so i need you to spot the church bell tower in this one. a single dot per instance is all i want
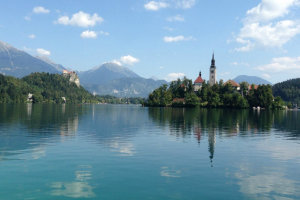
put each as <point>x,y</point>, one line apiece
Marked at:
<point>212,71</point>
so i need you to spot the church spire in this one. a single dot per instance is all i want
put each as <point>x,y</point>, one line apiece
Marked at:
<point>213,60</point>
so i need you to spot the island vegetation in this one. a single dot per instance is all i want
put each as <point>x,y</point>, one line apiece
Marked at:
<point>181,93</point>
<point>289,91</point>
<point>51,88</point>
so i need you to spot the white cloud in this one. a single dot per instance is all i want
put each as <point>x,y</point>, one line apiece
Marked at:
<point>176,18</point>
<point>88,34</point>
<point>185,4</point>
<point>31,36</point>
<point>40,9</point>
<point>168,28</point>
<point>104,33</point>
<point>27,18</point>
<point>81,19</point>
<point>239,64</point>
<point>177,38</point>
<point>281,64</point>
<point>267,76</point>
<point>174,76</point>
<point>43,52</point>
<point>270,35</point>
<point>117,62</point>
<point>260,29</point>
<point>155,5</point>
<point>270,9</point>
<point>179,4</point>
<point>129,60</point>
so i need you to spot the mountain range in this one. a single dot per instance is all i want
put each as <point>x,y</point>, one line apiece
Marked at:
<point>17,63</point>
<point>106,79</point>
<point>117,80</point>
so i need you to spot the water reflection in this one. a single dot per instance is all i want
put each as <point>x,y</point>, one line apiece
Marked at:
<point>184,122</point>
<point>79,188</point>
<point>38,124</point>
<point>268,185</point>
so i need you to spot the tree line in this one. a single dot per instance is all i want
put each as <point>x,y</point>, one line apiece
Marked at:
<point>181,93</point>
<point>289,91</point>
<point>51,88</point>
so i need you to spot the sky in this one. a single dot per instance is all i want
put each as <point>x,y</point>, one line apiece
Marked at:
<point>165,39</point>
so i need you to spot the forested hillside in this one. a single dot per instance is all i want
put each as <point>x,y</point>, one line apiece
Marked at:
<point>45,87</point>
<point>288,90</point>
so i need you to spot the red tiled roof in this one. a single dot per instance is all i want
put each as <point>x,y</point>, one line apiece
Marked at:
<point>255,87</point>
<point>178,100</point>
<point>199,80</point>
<point>233,83</point>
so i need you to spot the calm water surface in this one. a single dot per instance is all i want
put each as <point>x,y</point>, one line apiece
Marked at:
<point>131,152</point>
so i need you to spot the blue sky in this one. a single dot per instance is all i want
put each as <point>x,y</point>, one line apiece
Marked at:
<point>161,38</point>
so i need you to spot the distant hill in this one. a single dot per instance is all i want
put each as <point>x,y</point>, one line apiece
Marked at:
<point>127,87</point>
<point>251,80</point>
<point>45,87</point>
<point>17,63</point>
<point>288,90</point>
<point>116,80</point>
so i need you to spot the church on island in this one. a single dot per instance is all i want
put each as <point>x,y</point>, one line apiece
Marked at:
<point>212,78</point>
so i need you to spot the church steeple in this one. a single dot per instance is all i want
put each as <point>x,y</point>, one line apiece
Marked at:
<point>212,71</point>
<point>213,61</point>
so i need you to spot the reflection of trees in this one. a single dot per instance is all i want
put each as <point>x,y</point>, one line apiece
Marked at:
<point>39,116</point>
<point>183,122</point>
<point>288,122</point>
<point>19,122</point>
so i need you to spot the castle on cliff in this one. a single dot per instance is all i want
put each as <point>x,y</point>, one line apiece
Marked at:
<point>72,76</point>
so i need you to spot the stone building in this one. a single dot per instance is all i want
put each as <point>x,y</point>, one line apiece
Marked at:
<point>73,77</point>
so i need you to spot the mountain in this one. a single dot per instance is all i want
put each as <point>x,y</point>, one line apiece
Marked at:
<point>105,73</point>
<point>117,80</point>
<point>288,90</point>
<point>17,63</point>
<point>252,80</point>
<point>58,67</point>
<point>127,87</point>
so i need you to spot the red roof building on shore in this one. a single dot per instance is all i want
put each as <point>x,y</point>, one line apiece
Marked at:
<point>198,83</point>
<point>255,87</point>
<point>199,79</point>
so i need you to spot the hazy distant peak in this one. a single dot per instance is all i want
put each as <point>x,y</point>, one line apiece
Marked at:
<point>251,80</point>
<point>5,47</point>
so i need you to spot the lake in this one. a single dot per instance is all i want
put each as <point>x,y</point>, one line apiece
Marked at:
<point>53,151</point>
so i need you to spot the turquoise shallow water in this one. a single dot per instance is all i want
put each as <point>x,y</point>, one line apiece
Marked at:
<point>132,152</point>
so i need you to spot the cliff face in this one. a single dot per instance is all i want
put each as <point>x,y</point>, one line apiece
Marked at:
<point>72,76</point>
<point>75,79</point>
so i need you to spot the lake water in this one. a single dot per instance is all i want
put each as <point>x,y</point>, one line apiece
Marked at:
<point>132,152</point>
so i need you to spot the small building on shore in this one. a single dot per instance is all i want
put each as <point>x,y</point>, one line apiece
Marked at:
<point>233,84</point>
<point>198,83</point>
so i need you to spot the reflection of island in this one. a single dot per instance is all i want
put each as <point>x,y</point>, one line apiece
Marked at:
<point>211,144</point>
<point>213,123</point>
